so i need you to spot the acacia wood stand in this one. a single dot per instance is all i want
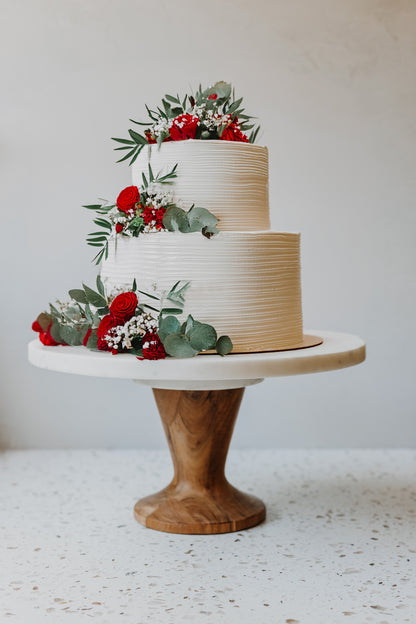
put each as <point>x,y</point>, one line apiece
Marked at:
<point>198,400</point>
<point>198,427</point>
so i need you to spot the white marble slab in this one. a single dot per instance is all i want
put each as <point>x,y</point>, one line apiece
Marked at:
<point>338,545</point>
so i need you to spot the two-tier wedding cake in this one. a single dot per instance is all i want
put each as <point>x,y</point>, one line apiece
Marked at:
<point>188,260</point>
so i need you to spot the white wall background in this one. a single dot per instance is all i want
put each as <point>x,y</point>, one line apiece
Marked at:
<point>333,83</point>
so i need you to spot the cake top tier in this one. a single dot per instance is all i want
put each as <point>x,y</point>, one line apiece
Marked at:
<point>230,179</point>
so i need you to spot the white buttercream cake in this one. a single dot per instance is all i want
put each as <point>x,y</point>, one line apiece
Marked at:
<point>245,281</point>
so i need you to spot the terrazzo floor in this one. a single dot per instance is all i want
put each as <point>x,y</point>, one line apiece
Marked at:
<point>338,544</point>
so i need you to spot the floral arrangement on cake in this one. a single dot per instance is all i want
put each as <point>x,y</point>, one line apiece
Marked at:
<point>144,209</point>
<point>210,114</point>
<point>122,322</point>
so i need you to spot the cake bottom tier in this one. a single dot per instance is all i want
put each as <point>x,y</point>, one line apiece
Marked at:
<point>245,284</point>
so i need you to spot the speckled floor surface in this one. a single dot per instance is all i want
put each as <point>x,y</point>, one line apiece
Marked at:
<point>338,545</point>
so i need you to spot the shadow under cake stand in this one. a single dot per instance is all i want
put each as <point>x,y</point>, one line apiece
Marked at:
<point>198,401</point>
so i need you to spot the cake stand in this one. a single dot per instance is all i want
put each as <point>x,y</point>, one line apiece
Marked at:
<point>198,401</point>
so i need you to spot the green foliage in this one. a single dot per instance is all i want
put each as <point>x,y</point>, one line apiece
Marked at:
<point>78,295</point>
<point>202,336</point>
<point>195,220</point>
<point>92,341</point>
<point>176,346</point>
<point>224,345</point>
<point>168,325</point>
<point>94,298</point>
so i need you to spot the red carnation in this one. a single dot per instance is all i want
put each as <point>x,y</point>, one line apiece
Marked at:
<point>183,127</point>
<point>150,213</point>
<point>233,133</point>
<point>213,96</point>
<point>128,198</point>
<point>124,306</point>
<point>154,349</point>
<point>107,324</point>
<point>119,228</point>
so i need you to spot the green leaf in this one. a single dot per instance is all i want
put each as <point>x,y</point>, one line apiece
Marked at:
<point>100,286</point>
<point>199,218</point>
<point>55,312</point>
<point>93,206</point>
<point>97,239</point>
<point>202,336</point>
<point>134,287</point>
<point>133,151</point>
<point>224,345</point>
<point>145,182</point>
<point>175,219</point>
<point>88,313</point>
<point>188,325</point>
<point>151,176</point>
<point>55,332</point>
<point>71,335</point>
<point>168,325</point>
<point>125,141</point>
<point>178,347</point>
<point>172,99</point>
<point>148,295</point>
<point>92,340</point>
<point>78,295</point>
<point>103,223</point>
<point>94,298</point>
<point>171,311</point>
<point>137,138</point>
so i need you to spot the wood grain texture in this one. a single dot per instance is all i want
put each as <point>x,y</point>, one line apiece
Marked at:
<point>198,427</point>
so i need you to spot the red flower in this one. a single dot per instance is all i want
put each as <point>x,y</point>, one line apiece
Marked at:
<point>213,96</point>
<point>233,133</point>
<point>45,336</point>
<point>128,198</point>
<point>119,228</point>
<point>154,349</point>
<point>123,306</point>
<point>107,324</point>
<point>36,327</point>
<point>150,213</point>
<point>184,127</point>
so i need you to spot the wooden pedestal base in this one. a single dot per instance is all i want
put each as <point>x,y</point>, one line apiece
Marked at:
<point>198,426</point>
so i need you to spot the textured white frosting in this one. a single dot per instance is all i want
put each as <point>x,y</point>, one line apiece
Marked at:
<point>245,284</point>
<point>228,178</point>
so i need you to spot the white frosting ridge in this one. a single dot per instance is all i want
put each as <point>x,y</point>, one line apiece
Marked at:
<point>228,178</point>
<point>245,284</point>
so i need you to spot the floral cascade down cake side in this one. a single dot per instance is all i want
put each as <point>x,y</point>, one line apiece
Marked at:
<point>188,262</point>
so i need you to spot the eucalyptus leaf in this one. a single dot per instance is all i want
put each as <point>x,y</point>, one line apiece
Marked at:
<point>171,311</point>
<point>178,347</point>
<point>55,332</point>
<point>71,335</point>
<point>189,325</point>
<point>224,345</point>
<point>202,336</point>
<point>175,219</point>
<point>92,340</point>
<point>199,218</point>
<point>168,325</point>
<point>94,298</point>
